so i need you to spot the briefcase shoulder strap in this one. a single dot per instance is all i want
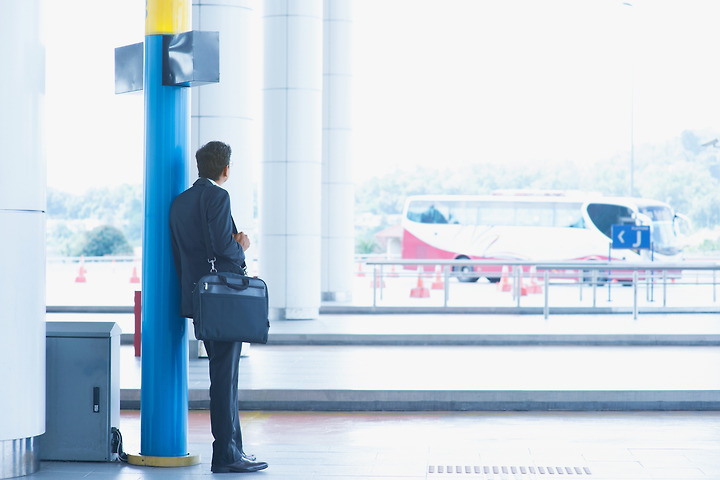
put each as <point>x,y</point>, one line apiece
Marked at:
<point>206,232</point>
<point>211,258</point>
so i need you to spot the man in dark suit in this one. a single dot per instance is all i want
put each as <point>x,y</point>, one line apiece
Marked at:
<point>191,262</point>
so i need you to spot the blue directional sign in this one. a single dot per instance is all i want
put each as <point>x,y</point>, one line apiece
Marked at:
<point>631,236</point>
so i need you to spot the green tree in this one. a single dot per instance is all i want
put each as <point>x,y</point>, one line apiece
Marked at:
<point>105,240</point>
<point>120,206</point>
<point>366,246</point>
<point>690,142</point>
<point>135,216</point>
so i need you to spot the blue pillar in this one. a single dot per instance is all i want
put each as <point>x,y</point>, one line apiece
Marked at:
<point>164,397</point>
<point>165,70</point>
<point>164,400</point>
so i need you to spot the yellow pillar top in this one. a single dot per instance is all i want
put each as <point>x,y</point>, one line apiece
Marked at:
<point>167,17</point>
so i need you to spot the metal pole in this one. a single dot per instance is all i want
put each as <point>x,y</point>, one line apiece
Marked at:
<point>609,279</point>
<point>632,107</point>
<point>546,281</point>
<point>652,286</point>
<point>635,300</point>
<point>446,277</point>
<point>594,287</point>
<point>652,272</point>
<point>581,282</point>
<point>664,288</point>
<point>381,282</point>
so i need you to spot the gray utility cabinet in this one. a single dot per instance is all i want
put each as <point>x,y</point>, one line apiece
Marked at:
<point>83,391</point>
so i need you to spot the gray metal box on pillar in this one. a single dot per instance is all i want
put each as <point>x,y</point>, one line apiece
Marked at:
<point>83,391</point>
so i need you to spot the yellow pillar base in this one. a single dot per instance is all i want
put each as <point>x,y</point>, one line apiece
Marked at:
<point>147,461</point>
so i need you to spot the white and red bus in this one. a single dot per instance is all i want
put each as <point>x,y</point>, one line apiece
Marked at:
<point>539,226</point>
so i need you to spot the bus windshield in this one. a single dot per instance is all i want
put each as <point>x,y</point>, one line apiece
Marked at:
<point>663,233</point>
<point>605,215</point>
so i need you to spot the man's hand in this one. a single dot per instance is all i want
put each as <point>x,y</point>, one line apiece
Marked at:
<point>243,240</point>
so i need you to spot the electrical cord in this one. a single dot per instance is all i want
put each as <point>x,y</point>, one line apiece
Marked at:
<point>117,445</point>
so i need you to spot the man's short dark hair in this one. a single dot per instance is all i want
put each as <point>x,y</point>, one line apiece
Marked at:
<point>212,158</point>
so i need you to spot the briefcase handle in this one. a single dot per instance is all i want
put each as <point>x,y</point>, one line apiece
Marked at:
<point>235,286</point>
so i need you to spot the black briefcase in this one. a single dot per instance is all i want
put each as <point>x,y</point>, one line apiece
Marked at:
<point>229,307</point>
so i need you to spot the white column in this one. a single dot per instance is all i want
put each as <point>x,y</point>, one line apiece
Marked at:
<point>292,160</point>
<point>226,111</point>
<point>338,198</point>
<point>22,243</point>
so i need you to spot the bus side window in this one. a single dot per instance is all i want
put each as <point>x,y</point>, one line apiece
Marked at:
<point>569,216</point>
<point>413,216</point>
<point>432,215</point>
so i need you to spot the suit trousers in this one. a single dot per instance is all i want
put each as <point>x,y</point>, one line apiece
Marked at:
<point>224,360</point>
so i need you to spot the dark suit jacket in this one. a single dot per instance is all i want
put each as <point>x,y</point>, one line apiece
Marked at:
<point>188,239</point>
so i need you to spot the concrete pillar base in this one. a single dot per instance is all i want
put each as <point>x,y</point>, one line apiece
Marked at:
<point>336,296</point>
<point>294,314</point>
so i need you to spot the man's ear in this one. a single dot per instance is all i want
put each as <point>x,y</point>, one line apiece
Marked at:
<point>226,171</point>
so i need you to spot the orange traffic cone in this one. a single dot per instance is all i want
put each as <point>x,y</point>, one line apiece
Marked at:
<point>438,284</point>
<point>81,272</point>
<point>534,286</point>
<point>134,278</point>
<point>420,291</point>
<point>360,272</point>
<point>392,273</point>
<point>504,283</point>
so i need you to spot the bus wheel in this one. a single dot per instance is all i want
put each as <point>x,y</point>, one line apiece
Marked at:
<point>493,279</point>
<point>587,278</point>
<point>465,272</point>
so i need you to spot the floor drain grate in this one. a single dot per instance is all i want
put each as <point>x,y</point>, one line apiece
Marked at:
<point>507,470</point>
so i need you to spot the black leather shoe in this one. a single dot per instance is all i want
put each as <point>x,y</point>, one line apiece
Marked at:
<point>241,466</point>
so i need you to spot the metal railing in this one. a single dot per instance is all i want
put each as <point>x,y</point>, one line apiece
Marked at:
<point>565,287</point>
<point>106,259</point>
<point>595,275</point>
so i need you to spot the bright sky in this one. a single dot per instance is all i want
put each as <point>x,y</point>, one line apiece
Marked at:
<point>434,83</point>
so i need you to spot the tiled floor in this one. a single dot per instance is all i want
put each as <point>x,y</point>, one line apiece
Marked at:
<point>433,358</point>
<point>415,446</point>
